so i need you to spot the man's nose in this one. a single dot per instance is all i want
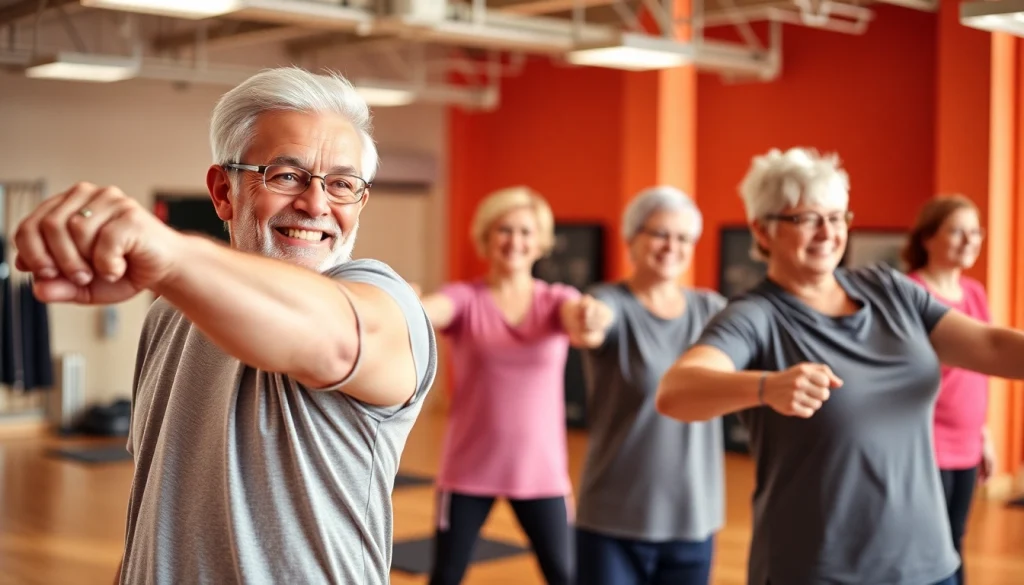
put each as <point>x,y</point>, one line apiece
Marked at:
<point>314,199</point>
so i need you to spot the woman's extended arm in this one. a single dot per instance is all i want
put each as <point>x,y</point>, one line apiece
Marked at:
<point>965,342</point>
<point>586,320</point>
<point>704,384</point>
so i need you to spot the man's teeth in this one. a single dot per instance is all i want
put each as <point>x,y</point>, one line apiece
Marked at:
<point>304,235</point>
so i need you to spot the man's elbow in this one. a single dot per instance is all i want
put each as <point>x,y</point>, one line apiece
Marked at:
<point>329,365</point>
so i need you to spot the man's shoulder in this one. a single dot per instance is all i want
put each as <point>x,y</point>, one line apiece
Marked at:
<point>369,269</point>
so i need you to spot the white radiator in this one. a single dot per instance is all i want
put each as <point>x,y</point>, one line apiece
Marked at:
<point>67,399</point>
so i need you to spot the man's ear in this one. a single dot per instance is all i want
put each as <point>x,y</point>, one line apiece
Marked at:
<point>219,185</point>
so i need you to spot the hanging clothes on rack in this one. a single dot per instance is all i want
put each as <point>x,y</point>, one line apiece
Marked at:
<point>26,361</point>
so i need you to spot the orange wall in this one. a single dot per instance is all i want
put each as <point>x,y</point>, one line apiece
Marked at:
<point>556,131</point>
<point>869,98</point>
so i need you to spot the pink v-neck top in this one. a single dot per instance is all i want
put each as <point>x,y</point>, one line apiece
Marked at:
<point>962,406</point>
<point>506,433</point>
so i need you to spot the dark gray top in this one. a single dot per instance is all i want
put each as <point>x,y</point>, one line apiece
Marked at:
<point>246,476</point>
<point>852,495</point>
<point>647,477</point>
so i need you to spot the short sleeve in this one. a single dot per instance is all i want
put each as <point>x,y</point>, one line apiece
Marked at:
<point>421,334</point>
<point>921,302</point>
<point>715,302</point>
<point>738,330</point>
<point>461,294</point>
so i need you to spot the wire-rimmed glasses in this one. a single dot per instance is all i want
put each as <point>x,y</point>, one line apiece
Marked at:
<point>292,180</point>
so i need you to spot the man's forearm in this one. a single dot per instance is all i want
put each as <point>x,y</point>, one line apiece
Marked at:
<point>269,314</point>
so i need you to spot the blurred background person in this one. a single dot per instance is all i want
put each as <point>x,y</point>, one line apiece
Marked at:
<point>944,241</point>
<point>509,336</point>
<point>652,494</point>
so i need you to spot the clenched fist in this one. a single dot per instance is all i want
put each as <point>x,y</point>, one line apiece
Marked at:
<point>94,245</point>
<point>800,390</point>
<point>590,314</point>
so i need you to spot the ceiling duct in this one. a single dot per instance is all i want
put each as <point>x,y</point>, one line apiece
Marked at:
<point>737,60</point>
<point>316,15</point>
<point>1005,16</point>
<point>187,9</point>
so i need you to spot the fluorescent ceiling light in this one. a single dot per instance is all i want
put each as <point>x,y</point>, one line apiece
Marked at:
<point>83,67</point>
<point>384,95</point>
<point>1000,16</point>
<point>193,9</point>
<point>633,52</point>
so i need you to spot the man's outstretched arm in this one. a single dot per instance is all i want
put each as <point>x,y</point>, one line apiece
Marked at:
<point>283,318</point>
<point>269,314</point>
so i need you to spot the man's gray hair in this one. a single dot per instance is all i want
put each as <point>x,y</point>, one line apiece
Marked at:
<point>655,199</point>
<point>287,89</point>
<point>778,180</point>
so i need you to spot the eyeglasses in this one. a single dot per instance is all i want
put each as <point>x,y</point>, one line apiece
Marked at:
<point>665,236</point>
<point>812,220</point>
<point>293,181</point>
<point>962,234</point>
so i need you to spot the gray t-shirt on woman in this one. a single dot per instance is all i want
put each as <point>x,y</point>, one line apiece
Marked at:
<point>246,476</point>
<point>850,496</point>
<point>647,477</point>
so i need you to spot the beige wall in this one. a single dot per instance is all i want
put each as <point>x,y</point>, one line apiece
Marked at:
<point>150,136</point>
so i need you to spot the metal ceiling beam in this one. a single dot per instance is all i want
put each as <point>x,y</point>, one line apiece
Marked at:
<point>537,7</point>
<point>230,35</point>
<point>27,8</point>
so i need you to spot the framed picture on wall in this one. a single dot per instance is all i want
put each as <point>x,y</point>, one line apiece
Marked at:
<point>737,271</point>
<point>866,247</point>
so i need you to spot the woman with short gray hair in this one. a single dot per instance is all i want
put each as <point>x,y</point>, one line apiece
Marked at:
<point>835,373</point>
<point>651,495</point>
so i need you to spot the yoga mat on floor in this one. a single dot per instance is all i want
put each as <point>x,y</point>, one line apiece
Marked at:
<point>416,556</point>
<point>96,454</point>
<point>412,480</point>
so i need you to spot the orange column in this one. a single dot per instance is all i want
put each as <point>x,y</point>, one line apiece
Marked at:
<point>659,132</point>
<point>1006,244</point>
<point>978,154</point>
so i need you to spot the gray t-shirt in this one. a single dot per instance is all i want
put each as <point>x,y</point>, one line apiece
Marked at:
<point>850,496</point>
<point>245,476</point>
<point>646,476</point>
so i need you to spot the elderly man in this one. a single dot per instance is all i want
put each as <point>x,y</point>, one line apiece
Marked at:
<point>276,380</point>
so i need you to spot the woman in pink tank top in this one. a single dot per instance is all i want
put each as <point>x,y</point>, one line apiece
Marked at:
<point>946,240</point>
<point>508,338</point>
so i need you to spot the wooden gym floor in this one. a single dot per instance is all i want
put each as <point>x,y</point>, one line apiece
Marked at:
<point>63,522</point>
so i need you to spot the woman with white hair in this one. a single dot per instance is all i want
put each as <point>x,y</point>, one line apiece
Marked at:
<point>509,337</point>
<point>651,495</point>
<point>836,372</point>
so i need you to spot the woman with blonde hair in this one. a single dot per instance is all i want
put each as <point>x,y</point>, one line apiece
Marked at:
<point>835,373</point>
<point>509,336</point>
<point>944,241</point>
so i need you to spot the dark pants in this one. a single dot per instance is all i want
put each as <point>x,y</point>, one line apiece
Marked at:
<point>606,560</point>
<point>958,484</point>
<point>951,580</point>
<point>460,517</point>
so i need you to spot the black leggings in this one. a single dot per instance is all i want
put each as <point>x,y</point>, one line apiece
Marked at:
<point>958,484</point>
<point>545,522</point>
